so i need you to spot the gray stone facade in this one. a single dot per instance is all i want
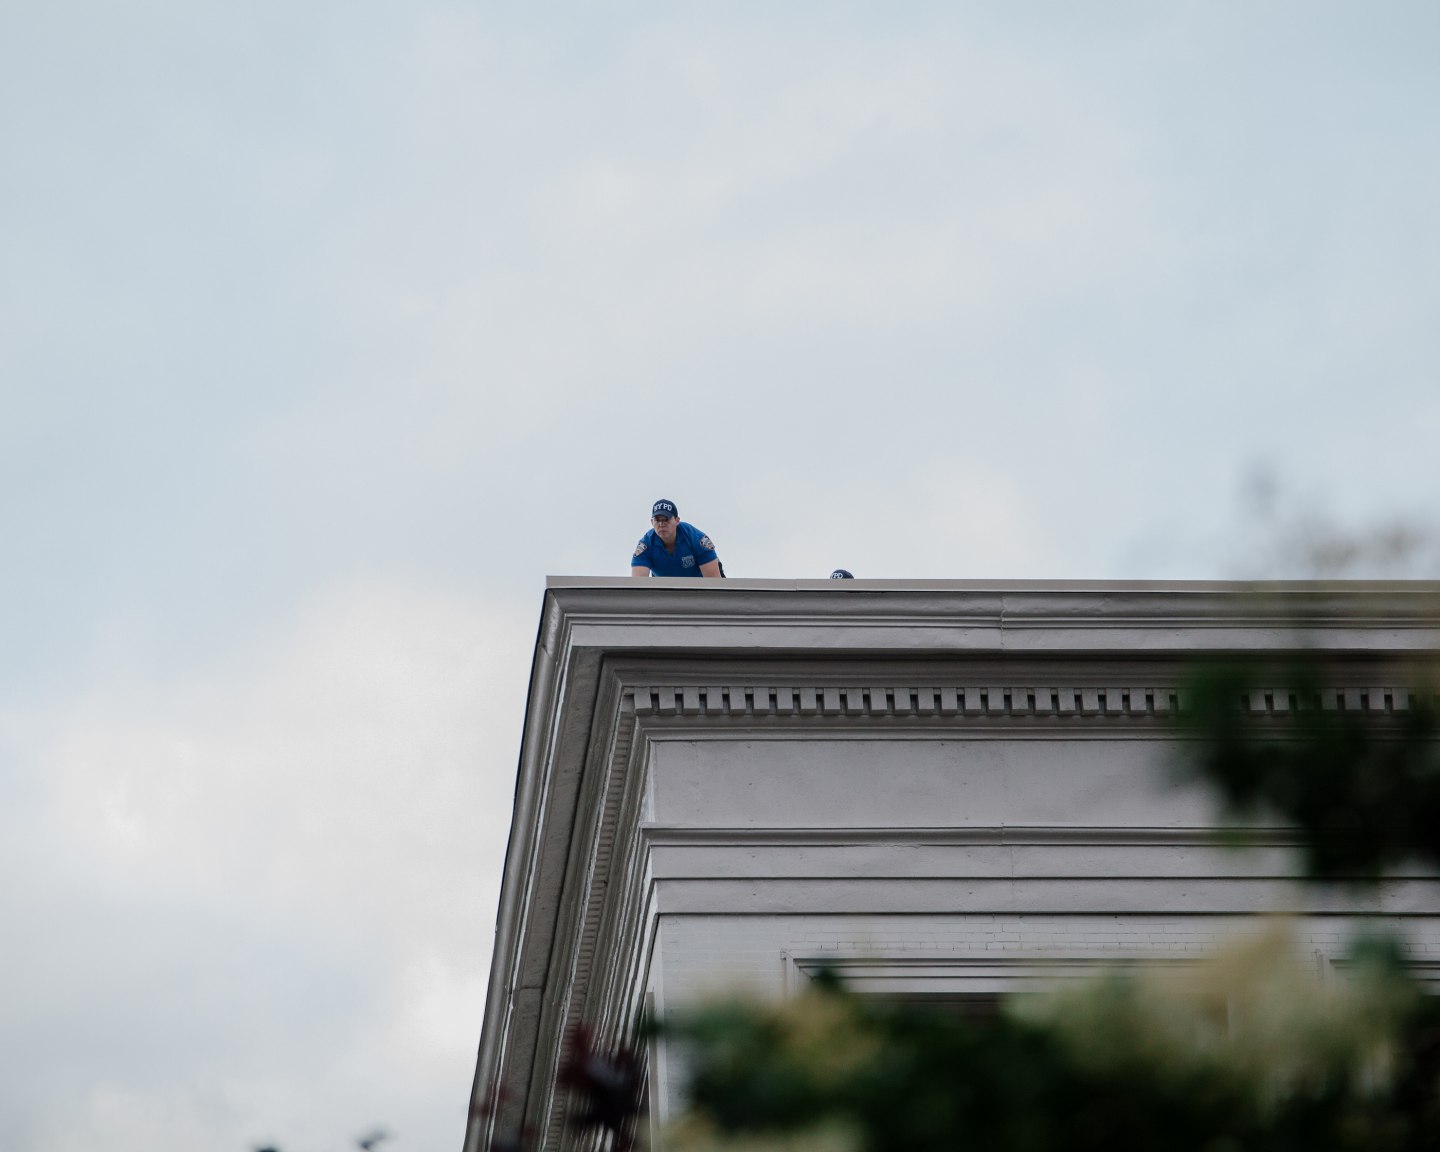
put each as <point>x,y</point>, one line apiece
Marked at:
<point>941,789</point>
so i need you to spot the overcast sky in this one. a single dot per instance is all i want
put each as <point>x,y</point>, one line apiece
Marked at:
<point>328,330</point>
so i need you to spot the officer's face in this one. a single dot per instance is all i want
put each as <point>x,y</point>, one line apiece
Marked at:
<point>664,527</point>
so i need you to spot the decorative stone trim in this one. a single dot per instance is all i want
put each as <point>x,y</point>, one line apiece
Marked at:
<point>991,975</point>
<point>951,975</point>
<point>1425,971</point>
<point>1029,836</point>
<point>991,700</point>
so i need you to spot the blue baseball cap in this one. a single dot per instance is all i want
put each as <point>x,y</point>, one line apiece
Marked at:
<point>664,508</point>
<point>842,574</point>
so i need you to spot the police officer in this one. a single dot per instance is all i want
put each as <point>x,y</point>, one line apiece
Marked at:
<point>674,548</point>
<point>842,574</point>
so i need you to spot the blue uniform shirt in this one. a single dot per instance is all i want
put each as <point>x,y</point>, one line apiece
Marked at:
<point>692,549</point>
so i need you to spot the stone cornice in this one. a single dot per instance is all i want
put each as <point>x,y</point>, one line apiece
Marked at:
<point>1053,617</point>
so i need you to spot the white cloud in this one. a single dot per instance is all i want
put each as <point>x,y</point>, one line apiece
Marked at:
<point>278,872</point>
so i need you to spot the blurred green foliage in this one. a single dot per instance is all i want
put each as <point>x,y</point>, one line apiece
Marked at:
<point>1243,1051</point>
<point>1361,787</point>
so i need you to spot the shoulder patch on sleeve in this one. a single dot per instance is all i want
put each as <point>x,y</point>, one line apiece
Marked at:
<point>640,548</point>
<point>707,543</point>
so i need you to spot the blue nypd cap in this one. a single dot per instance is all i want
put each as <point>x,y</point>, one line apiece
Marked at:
<point>842,574</point>
<point>664,508</point>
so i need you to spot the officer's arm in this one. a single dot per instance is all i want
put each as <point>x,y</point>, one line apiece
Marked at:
<point>709,568</point>
<point>641,570</point>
